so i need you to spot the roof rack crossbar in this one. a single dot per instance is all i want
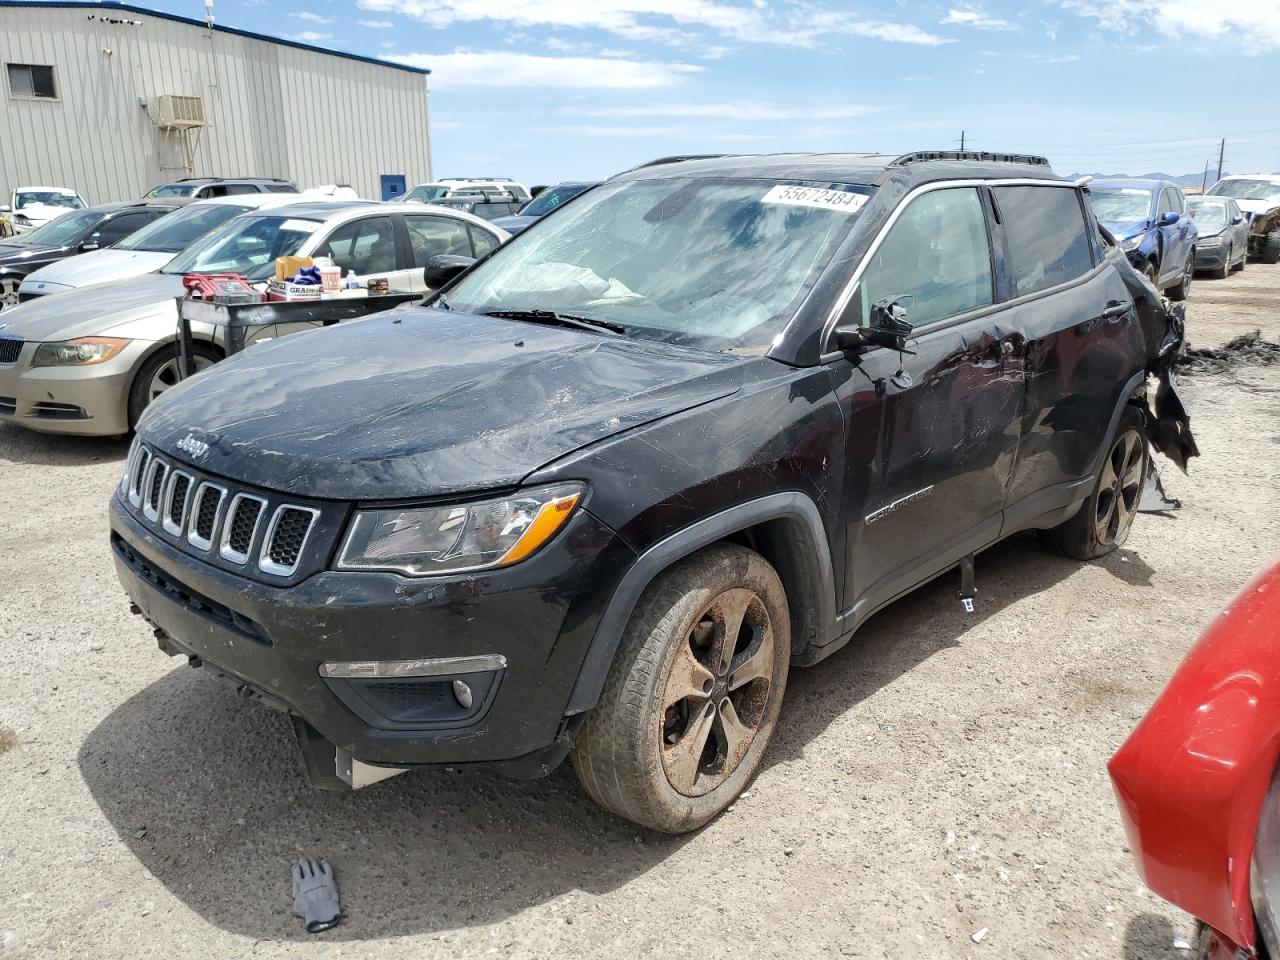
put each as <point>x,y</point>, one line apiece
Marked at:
<point>921,155</point>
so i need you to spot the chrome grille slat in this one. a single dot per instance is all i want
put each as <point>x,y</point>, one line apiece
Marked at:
<point>138,476</point>
<point>153,489</point>
<point>204,516</point>
<point>286,539</point>
<point>244,512</point>
<point>10,349</point>
<point>177,495</point>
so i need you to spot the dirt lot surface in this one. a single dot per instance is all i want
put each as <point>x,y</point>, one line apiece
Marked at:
<point>941,775</point>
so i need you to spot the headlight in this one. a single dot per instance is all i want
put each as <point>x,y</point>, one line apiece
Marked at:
<point>424,541</point>
<point>21,220</point>
<point>1209,241</point>
<point>1131,244</point>
<point>78,353</point>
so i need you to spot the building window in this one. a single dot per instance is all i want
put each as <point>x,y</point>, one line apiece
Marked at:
<point>28,81</point>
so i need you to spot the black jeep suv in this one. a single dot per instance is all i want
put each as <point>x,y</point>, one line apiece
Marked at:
<point>599,493</point>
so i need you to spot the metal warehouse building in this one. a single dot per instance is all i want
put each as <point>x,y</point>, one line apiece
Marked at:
<point>111,100</point>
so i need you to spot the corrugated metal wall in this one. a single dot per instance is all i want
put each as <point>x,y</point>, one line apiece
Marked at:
<point>271,110</point>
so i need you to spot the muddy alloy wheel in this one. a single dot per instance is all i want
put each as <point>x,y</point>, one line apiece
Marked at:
<point>716,692</point>
<point>1119,489</point>
<point>692,696</point>
<point>8,292</point>
<point>167,374</point>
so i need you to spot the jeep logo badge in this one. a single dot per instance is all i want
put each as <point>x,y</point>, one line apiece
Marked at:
<point>189,444</point>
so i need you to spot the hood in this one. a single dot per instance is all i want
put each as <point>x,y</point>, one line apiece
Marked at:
<point>514,225</point>
<point>421,403</point>
<point>39,213</point>
<point>1256,206</point>
<point>13,255</point>
<point>99,267</point>
<point>96,310</point>
<point>1125,229</point>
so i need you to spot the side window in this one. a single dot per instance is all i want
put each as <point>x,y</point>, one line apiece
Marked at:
<point>233,189</point>
<point>1045,233</point>
<point>1167,202</point>
<point>115,230</point>
<point>434,236</point>
<point>216,190</point>
<point>937,254</point>
<point>365,246</point>
<point>1095,235</point>
<point>483,241</point>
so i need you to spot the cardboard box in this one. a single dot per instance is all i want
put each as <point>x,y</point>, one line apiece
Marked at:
<point>284,290</point>
<point>286,267</point>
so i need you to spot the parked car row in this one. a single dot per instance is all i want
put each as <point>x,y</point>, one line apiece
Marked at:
<point>597,495</point>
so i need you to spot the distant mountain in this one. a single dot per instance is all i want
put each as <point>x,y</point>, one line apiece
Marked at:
<point>1187,180</point>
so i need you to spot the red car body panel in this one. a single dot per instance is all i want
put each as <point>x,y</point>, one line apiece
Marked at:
<point>1191,779</point>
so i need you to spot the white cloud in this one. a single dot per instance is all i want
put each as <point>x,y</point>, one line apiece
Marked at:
<point>1053,58</point>
<point>761,112</point>
<point>970,15</point>
<point>1253,23</point>
<point>617,131</point>
<point>311,17</point>
<point>377,24</point>
<point>501,68</point>
<point>669,21</point>
<point>309,36</point>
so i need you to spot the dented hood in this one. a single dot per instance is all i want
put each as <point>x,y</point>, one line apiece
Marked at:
<point>422,403</point>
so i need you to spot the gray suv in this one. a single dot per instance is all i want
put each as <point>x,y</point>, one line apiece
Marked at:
<point>206,188</point>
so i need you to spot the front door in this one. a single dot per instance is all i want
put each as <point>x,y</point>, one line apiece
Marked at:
<point>392,185</point>
<point>932,435</point>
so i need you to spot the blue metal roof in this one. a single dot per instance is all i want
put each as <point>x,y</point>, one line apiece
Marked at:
<point>109,5</point>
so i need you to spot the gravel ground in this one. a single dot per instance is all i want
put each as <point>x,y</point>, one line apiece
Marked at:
<point>941,775</point>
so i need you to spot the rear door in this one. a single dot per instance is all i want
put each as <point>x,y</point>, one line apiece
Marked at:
<point>931,435</point>
<point>1082,338</point>
<point>1174,246</point>
<point>368,248</point>
<point>433,235</point>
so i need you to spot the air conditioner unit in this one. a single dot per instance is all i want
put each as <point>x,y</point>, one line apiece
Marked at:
<point>179,113</point>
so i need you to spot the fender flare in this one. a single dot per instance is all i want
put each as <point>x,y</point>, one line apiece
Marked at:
<point>790,505</point>
<point>1127,396</point>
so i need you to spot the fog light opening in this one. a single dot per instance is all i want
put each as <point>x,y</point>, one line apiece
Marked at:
<point>462,693</point>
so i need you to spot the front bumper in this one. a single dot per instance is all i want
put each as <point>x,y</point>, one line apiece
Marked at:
<point>90,401</point>
<point>1211,257</point>
<point>538,616</point>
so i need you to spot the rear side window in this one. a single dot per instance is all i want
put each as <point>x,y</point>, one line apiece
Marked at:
<point>1046,239</point>
<point>936,259</point>
<point>484,243</point>
<point>234,189</point>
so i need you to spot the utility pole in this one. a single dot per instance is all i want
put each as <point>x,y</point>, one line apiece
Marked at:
<point>962,141</point>
<point>1204,181</point>
<point>1222,148</point>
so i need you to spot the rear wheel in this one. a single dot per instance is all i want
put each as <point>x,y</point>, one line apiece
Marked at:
<point>693,694</point>
<point>1102,524</point>
<point>160,372</point>
<point>1271,248</point>
<point>1183,288</point>
<point>1149,271</point>
<point>9,292</point>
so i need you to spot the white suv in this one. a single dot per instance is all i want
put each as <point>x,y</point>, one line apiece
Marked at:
<point>452,186</point>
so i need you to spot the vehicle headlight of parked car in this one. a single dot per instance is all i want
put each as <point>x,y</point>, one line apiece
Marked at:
<point>426,541</point>
<point>1210,241</point>
<point>1131,244</point>
<point>78,353</point>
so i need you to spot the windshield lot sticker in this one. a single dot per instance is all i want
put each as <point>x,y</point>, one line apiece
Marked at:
<point>815,197</point>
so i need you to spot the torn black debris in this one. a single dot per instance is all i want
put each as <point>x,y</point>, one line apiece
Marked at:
<point>1248,348</point>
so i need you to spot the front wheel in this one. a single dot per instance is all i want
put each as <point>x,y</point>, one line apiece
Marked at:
<point>1271,247</point>
<point>693,694</point>
<point>1225,270</point>
<point>160,372</point>
<point>1183,288</point>
<point>1102,524</point>
<point>9,292</point>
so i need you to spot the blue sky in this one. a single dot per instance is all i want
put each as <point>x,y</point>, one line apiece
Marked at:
<point>546,90</point>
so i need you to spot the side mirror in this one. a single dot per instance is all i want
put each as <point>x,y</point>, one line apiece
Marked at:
<point>1169,219</point>
<point>89,245</point>
<point>444,268</point>
<point>887,327</point>
<point>5,208</point>
<point>1235,220</point>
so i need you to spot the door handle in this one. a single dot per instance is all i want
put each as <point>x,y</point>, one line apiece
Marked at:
<point>1114,310</point>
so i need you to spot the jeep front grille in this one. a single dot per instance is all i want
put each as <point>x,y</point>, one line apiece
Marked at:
<point>219,522</point>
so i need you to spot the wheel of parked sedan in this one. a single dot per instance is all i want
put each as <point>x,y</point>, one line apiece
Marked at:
<point>1102,524</point>
<point>9,292</point>
<point>160,372</point>
<point>1225,270</point>
<point>1183,288</point>
<point>693,694</point>
<point>1244,257</point>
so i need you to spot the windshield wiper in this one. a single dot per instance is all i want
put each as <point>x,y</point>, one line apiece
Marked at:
<point>552,317</point>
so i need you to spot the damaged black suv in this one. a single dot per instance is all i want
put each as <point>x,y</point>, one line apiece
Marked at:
<point>597,495</point>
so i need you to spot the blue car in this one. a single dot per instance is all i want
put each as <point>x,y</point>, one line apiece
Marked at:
<point>537,208</point>
<point>1149,220</point>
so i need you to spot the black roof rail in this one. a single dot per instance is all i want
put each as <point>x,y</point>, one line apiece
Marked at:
<point>922,155</point>
<point>681,158</point>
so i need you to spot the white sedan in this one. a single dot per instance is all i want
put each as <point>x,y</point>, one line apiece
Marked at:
<point>31,207</point>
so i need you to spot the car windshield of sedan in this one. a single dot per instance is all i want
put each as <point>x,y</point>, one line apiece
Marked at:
<point>716,263</point>
<point>46,198</point>
<point>246,245</point>
<point>176,231</point>
<point>1121,206</point>
<point>1209,217</point>
<point>1247,190</point>
<point>59,231</point>
<point>549,199</point>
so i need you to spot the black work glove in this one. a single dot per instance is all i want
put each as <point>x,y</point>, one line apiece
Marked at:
<point>315,895</point>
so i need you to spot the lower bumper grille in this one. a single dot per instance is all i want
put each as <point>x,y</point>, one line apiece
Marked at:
<point>8,406</point>
<point>58,411</point>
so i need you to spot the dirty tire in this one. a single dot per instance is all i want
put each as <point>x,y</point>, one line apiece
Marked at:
<point>1103,522</point>
<point>675,684</point>
<point>1225,270</point>
<point>1271,248</point>
<point>1149,271</point>
<point>140,393</point>
<point>1244,257</point>
<point>1183,288</point>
